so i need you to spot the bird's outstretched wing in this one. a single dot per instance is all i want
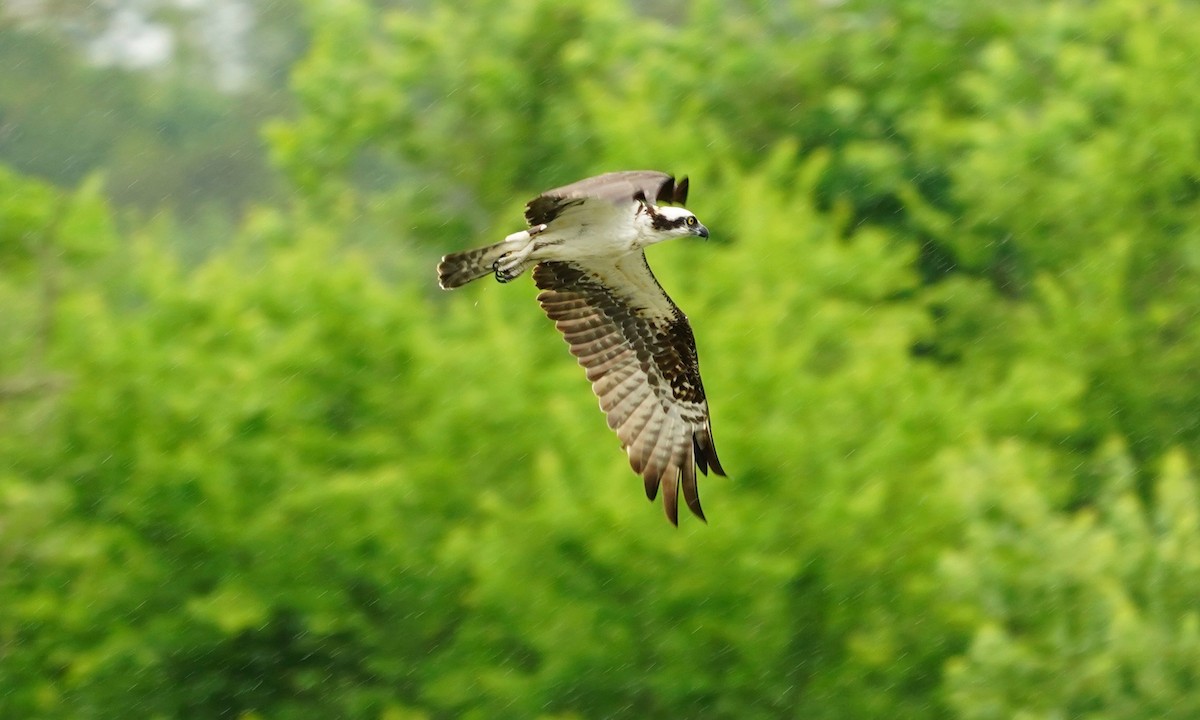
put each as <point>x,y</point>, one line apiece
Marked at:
<point>615,188</point>
<point>640,357</point>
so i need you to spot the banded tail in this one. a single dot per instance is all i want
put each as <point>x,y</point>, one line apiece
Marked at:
<point>458,269</point>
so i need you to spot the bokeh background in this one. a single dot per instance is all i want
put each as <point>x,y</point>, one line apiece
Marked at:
<point>254,464</point>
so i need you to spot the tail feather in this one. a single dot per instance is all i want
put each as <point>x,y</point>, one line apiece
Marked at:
<point>458,269</point>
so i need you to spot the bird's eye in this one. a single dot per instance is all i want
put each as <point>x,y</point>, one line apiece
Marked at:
<point>691,221</point>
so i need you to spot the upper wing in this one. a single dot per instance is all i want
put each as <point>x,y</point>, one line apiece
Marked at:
<point>640,357</point>
<point>615,188</point>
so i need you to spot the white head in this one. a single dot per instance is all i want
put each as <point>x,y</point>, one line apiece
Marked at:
<point>671,222</point>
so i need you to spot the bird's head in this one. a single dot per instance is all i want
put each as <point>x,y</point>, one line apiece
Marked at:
<point>672,222</point>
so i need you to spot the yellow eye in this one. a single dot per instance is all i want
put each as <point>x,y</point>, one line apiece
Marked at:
<point>691,221</point>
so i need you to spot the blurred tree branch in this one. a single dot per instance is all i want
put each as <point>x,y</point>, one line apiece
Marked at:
<point>21,386</point>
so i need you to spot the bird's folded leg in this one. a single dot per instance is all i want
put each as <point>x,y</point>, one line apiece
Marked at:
<point>526,235</point>
<point>511,264</point>
<point>507,270</point>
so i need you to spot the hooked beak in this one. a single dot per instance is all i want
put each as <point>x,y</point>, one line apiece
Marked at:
<point>701,231</point>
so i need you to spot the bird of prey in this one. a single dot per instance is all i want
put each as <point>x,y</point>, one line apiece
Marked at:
<point>584,242</point>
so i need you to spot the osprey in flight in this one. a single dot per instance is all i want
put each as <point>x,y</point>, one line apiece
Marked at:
<point>585,244</point>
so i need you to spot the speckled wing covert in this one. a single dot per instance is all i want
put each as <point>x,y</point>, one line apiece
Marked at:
<point>615,187</point>
<point>640,357</point>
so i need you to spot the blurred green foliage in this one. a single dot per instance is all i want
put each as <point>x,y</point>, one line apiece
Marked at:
<point>948,323</point>
<point>165,142</point>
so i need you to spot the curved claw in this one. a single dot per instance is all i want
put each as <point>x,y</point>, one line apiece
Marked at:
<point>502,276</point>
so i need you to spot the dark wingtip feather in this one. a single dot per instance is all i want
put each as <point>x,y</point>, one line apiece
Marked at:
<point>673,192</point>
<point>706,452</point>
<point>700,455</point>
<point>671,495</point>
<point>691,493</point>
<point>715,464</point>
<point>651,487</point>
<point>666,191</point>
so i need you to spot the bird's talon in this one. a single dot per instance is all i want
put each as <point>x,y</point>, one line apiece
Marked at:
<point>506,274</point>
<point>503,269</point>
